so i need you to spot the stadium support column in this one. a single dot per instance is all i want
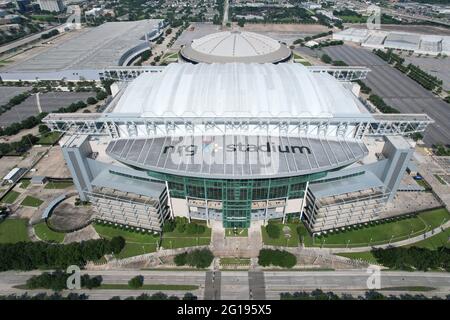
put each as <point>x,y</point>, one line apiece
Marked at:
<point>398,152</point>
<point>304,200</point>
<point>170,201</point>
<point>75,151</point>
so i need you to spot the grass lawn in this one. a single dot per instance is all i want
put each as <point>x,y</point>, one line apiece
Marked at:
<point>239,232</point>
<point>383,232</point>
<point>24,183</point>
<point>366,256</point>
<point>45,234</point>
<point>175,239</point>
<point>11,197</point>
<point>441,181</point>
<point>235,261</point>
<point>58,184</point>
<point>282,240</point>
<point>432,243</point>
<point>30,201</point>
<point>13,230</point>
<point>181,287</point>
<point>49,137</point>
<point>136,249</point>
<point>136,243</point>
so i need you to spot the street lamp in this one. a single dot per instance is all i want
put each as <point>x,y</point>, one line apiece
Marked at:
<point>348,241</point>
<point>391,239</point>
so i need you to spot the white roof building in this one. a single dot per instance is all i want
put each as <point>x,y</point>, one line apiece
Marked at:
<point>237,89</point>
<point>235,46</point>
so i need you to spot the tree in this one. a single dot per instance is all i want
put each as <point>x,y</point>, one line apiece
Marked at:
<point>117,244</point>
<point>43,128</point>
<point>180,259</point>
<point>326,58</point>
<point>136,282</point>
<point>279,258</point>
<point>273,230</point>
<point>91,100</point>
<point>101,95</point>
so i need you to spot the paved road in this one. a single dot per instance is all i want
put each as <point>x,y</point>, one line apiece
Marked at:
<point>236,285</point>
<point>399,90</point>
<point>212,285</point>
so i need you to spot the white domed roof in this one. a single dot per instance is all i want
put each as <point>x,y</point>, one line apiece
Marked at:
<point>235,46</point>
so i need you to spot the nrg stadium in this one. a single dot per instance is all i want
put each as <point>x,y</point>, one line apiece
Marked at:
<point>237,141</point>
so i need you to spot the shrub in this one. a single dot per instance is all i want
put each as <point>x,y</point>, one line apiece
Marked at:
<point>181,227</point>
<point>169,226</point>
<point>136,282</point>
<point>90,283</point>
<point>191,228</point>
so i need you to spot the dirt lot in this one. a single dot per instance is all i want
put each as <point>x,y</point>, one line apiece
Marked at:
<point>52,165</point>
<point>290,27</point>
<point>67,216</point>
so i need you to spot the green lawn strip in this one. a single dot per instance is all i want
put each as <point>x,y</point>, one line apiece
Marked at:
<point>412,288</point>
<point>235,261</point>
<point>441,181</point>
<point>181,287</point>
<point>292,241</point>
<point>129,236</point>
<point>182,242</point>
<point>136,243</point>
<point>30,201</point>
<point>383,232</point>
<point>45,234</point>
<point>24,183</point>
<point>49,137</point>
<point>366,256</point>
<point>13,230</point>
<point>136,249</point>
<point>239,232</point>
<point>10,197</point>
<point>434,242</point>
<point>58,184</point>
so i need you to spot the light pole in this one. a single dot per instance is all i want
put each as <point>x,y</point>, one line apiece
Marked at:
<point>348,242</point>
<point>391,239</point>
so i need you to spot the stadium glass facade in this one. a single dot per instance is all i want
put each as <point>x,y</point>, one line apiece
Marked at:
<point>235,195</point>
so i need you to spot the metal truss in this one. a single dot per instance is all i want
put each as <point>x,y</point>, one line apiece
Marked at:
<point>119,125</point>
<point>130,73</point>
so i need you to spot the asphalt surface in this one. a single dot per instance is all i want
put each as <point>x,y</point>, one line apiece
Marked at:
<point>236,285</point>
<point>398,90</point>
<point>212,285</point>
<point>49,102</point>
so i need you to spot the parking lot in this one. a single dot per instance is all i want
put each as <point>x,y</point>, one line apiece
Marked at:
<point>48,102</point>
<point>398,90</point>
<point>438,67</point>
<point>6,93</point>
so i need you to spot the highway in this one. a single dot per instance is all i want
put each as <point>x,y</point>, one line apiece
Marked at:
<point>244,285</point>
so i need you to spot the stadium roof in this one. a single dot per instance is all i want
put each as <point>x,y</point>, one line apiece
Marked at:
<point>235,46</point>
<point>237,90</point>
<point>237,156</point>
